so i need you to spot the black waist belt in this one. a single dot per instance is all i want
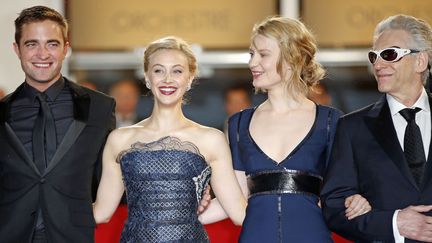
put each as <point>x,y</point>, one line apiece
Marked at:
<point>277,182</point>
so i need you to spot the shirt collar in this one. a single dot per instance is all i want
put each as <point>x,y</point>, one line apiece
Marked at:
<point>52,92</point>
<point>395,106</point>
<point>55,89</point>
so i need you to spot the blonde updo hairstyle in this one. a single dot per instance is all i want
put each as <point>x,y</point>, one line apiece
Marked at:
<point>171,43</point>
<point>297,49</point>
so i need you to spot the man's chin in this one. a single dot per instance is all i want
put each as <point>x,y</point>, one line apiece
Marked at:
<point>39,81</point>
<point>44,79</point>
<point>382,86</point>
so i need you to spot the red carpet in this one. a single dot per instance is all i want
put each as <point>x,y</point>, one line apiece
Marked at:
<point>111,231</point>
<point>221,232</point>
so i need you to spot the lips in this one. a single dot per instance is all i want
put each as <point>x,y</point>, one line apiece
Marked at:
<point>256,74</point>
<point>167,90</point>
<point>383,75</point>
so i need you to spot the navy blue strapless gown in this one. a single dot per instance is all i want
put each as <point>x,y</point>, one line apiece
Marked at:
<point>284,217</point>
<point>164,182</point>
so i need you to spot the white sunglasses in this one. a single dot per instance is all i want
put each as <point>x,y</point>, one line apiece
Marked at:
<point>389,54</point>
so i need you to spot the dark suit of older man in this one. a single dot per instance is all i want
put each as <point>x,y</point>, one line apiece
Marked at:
<point>373,152</point>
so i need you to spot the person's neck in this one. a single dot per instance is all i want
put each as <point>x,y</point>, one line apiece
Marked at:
<point>282,101</point>
<point>410,98</point>
<point>42,86</point>
<point>166,119</point>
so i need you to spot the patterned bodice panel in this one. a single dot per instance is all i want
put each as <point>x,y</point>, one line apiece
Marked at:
<point>164,182</point>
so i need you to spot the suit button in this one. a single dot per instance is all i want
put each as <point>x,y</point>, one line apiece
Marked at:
<point>42,181</point>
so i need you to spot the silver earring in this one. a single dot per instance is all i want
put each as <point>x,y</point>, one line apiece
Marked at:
<point>147,84</point>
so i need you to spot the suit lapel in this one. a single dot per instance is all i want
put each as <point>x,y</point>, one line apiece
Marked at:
<point>81,102</point>
<point>71,135</point>
<point>19,148</point>
<point>381,125</point>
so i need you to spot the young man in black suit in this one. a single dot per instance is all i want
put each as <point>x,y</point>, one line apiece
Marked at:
<point>52,133</point>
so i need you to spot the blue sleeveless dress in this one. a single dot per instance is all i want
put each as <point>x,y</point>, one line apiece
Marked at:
<point>288,216</point>
<point>164,182</point>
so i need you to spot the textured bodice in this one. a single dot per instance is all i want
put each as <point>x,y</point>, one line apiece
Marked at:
<point>164,182</point>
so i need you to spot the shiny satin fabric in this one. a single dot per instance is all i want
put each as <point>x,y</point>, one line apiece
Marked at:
<point>279,182</point>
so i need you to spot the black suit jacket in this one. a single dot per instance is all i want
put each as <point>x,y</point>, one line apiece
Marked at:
<point>63,190</point>
<point>368,159</point>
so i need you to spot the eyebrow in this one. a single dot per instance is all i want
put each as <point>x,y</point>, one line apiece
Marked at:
<point>254,47</point>
<point>176,65</point>
<point>389,47</point>
<point>259,50</point>
<point>30,41</point>
<point>36,41</point>
<point>54,40</point>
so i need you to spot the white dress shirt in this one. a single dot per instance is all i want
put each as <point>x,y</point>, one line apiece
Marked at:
<point>423,120</point>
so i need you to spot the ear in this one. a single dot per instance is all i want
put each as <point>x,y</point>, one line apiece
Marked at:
<point>66,48</point>
<point>145,77</point>
<point>147,83</point>
<point>422,62</point>
<point>16,49</point>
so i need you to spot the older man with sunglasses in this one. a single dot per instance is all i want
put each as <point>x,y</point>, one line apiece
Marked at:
<point>383,150</point>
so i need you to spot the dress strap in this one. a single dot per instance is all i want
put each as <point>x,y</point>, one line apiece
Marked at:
<point>281,182</point>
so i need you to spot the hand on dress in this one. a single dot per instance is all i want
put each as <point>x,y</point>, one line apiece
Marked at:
<point>205,201</point>
<point>412,224</point>
<point>356,205</point>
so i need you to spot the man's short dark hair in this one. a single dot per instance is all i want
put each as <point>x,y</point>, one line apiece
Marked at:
<point>39,14</point>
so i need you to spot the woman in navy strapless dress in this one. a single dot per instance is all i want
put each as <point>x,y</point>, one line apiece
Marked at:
<point>280,148</point>
<point>165,161</point>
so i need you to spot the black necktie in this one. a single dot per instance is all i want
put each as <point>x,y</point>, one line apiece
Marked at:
<point>44,135</point>
<point>413,145</point>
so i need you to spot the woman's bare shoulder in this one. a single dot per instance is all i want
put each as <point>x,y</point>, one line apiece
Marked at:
<point>209,140</point>
<point>122,138</point>
<point>209,133</point>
